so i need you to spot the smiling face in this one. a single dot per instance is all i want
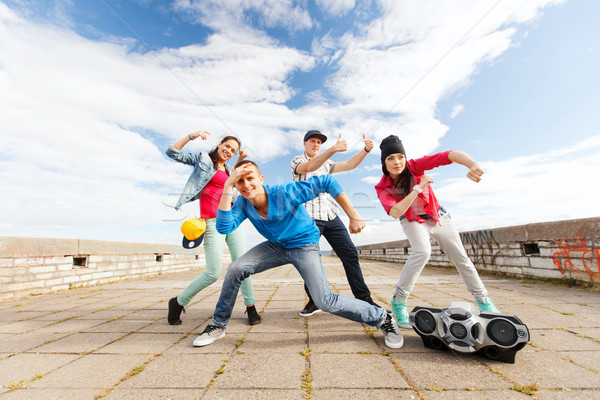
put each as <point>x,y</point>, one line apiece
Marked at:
<point>395,164</point>
<point>312,146</point>
<point>250,183</point>
<point>227,149</point>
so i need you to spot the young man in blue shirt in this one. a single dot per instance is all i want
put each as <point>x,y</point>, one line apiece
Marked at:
<point>276,211</point>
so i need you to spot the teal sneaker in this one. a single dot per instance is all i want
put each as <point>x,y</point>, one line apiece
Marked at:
<point>400,313</point>
<point>488,306</point>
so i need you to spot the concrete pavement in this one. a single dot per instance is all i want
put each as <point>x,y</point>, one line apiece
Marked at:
<point>113,342</point>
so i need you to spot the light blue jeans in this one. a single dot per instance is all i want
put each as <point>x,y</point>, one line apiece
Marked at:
<point>214,242</point>
<point>307,262</point>
<point>447,236</point>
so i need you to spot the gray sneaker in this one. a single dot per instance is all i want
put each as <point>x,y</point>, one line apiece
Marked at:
<point>391,332</point>
<point>210,334</point>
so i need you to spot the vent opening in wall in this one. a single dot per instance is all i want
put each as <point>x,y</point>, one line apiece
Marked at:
<point>159,257</point>
<point>80,261</point>
<point>197,257</point>
<point>406,250</point>
<point>531,249</point>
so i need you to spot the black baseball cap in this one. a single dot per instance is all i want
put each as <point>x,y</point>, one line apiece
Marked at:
<point>315,133</point>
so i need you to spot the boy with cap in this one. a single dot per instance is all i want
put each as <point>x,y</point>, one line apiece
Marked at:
<point>325,211</point>
<point>277,213</point>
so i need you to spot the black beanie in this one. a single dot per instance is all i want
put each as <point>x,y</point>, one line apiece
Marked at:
<point>391,145</point>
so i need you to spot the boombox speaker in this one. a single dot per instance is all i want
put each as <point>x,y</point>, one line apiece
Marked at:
<point>497,336</point>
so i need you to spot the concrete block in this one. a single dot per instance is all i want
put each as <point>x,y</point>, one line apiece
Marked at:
<point>6,262</point>
<point>512,261</point>
<point>71,279</point>
<point>541,263</point>
<point>65,267</point>
<point>23,286</point>
<point>100,275</point>
<point>28,261</point>
<point>53,282</point>
<point>542,273</point>
<point>42,269</point>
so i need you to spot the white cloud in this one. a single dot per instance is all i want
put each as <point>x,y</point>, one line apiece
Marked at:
<point>457,109</point>
<point>335,7</point>
<point>232,16</point>
<point>371,180</point>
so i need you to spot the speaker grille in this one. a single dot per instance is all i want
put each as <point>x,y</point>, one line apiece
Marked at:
<point>502,332</point>
<point>425,322</point>
<point>458,330</point>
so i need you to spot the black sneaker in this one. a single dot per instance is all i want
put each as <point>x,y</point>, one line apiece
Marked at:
<point>391,332</point>
<point>369,300</point>
<point>175,310</point>
<point>309,309</point>
<point>253,317</point>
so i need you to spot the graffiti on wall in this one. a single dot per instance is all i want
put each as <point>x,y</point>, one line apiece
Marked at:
<point>478,241</point>
<point>576,256</point>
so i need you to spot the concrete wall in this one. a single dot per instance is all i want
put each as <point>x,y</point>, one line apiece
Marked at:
<point>561,249</point>
<point>34,266</point>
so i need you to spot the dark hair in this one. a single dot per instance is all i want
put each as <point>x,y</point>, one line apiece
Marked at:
<point>402,182</point>
<point>244,162</point>
<point>213,153</point>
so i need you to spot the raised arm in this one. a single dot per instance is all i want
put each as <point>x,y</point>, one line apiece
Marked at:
<point>186,139</point>
<point>460,157</point>
<point>356,159</point>
<point>314,163</point>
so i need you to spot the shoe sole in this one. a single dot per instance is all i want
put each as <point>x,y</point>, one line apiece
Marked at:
<point>206,342</point>
<point>252,323</point>
<point>403,326</point>
<point>308,314</point>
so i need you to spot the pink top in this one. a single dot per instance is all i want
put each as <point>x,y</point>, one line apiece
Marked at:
<point>426,202</point>
<point>210,196</point>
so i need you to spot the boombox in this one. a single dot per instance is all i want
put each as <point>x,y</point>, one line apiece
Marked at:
<point>497,336</point>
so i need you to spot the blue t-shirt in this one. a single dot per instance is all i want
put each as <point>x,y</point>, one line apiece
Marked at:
<point>287,222</point>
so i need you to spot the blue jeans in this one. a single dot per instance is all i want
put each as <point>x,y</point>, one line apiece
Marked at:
<point>307,262</point>
<point>337,236</point>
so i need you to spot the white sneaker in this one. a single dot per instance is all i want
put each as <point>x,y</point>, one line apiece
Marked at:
<point>210,334</point>
<point>391,332</point>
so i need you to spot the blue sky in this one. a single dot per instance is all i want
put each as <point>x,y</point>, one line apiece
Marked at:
<point>92,93</point>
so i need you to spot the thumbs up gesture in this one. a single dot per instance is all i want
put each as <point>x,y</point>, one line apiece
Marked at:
<point>368,144</point>
<point>340,145</point>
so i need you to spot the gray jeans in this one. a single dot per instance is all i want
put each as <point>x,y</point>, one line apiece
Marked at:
<point>446,235</point>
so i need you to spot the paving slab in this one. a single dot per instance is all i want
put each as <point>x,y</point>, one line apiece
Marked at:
<point>112,341</point>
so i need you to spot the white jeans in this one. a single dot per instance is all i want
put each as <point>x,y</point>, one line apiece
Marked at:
<point>446,235</point>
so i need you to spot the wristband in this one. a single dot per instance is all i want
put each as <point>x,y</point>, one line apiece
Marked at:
<point>365,149</point>
<point>191,136</point>
<point>417,189</point>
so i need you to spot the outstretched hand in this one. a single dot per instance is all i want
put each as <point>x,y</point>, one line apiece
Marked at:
<point>368,144</point>
<point>475,173</point>
<point>200,134</point>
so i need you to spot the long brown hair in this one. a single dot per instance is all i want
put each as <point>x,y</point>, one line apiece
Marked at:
<point>402,183</point>
<point>213,153</point>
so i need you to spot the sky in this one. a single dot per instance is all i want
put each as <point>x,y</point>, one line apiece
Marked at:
<point>93,92</point>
